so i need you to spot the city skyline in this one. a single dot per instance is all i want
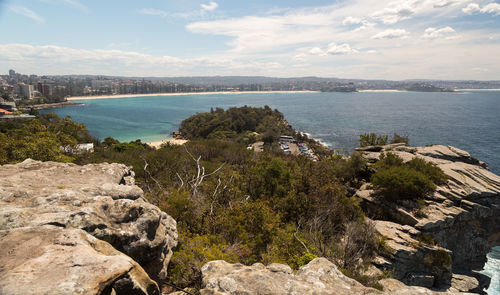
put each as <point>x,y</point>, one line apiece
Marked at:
<point>364,39</point>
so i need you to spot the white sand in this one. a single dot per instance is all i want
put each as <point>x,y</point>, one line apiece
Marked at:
<point>157,144</point>
<point>381,90</point>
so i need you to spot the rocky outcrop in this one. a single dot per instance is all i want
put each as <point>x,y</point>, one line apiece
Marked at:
<point>460,218</point>
<point>52,260</point>
<point>98,199</point>
<point>318,277</point>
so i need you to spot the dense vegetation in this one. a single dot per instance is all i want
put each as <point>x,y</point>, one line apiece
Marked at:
<point>234,204</point>
<point>245,125</point>
<point>243,121</point>
<point>373,139</point>
<point>40,139</point>
<point>395,180</point>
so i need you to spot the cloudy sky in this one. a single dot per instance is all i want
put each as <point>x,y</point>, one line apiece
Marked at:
<point>373,39</point>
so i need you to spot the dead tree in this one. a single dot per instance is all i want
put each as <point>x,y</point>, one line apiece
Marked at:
<point>200,175</point>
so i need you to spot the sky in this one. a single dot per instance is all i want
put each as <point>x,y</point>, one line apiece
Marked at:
<point>359,39</point>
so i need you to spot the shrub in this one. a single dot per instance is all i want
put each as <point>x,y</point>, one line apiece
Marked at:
<point>387,160</point>
<point>396,180</point>
<point>401,182</point>
<point>192,253</point>
<point>430,170</point>
<point>396,138</point>
<point>369,139</point>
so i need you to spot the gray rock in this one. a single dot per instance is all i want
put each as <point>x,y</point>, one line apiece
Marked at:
<point>463,215</point>
<point>52,260</point>
<point>99,199</point>
<point>320,276</point>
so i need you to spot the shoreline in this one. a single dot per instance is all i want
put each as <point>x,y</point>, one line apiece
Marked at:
<point>49,105</point>
<point>183,93</point>
<point>381,90</point>
<point>158,143</point>
<point>239,92</point>
<point>477,89</point>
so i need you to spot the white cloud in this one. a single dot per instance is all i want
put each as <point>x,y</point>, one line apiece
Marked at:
<point>63,60</point>
<point>27,13</point>
<point>395,12</point>
<point>392,34</point>
<point>333,49</point>
<point>194,14</point>
<point>471,8</point>
<point>342,49</point>
<point>493,8</point>
<point>210,6</point>
<point>443,3</point>
<point>442,33</point>
<point>317,51</point>
<point>351,21</point>
<point>300,57</point>
<point>365,25</point>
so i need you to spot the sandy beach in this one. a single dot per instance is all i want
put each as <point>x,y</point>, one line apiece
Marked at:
<point>157,144</point>
<point>182,93</point>
<point>381,90</point>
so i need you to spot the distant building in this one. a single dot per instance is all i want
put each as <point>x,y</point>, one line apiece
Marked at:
<point>12,73</point>
<point>27,91</point>
<point>101,83</point>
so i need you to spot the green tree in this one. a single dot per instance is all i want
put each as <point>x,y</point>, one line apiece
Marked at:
<point>372,139</point>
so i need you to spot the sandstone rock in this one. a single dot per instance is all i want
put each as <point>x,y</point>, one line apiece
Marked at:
<point>462,215</point>
<point>100,199</point>
<point>320,276</point>
<point>53,260</point>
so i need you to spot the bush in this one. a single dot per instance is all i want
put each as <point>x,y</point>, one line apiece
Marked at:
<point>370,139</point>
<point>399,139</point>
<point>192,253</point>
<point>414,179</point>
<point>401,183</point>
<point>387,160</point>
<point>428,169</point>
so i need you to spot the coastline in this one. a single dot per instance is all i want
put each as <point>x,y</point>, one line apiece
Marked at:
<point>381,90</point>
<point>157,144</point>
<point>477,89</point>
<point>49,105</point>
<point>183,93</point>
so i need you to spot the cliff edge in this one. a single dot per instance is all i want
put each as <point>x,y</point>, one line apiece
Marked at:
<point>440,241</point>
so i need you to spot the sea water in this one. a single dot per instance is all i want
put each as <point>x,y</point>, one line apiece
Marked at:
<point>492,269</point>
<point>467,120</point>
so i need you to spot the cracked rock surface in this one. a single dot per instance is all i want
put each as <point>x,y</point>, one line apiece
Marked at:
<point>97,199</point>
<point>318,277</point>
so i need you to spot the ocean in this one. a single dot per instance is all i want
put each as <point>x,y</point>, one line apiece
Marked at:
<point>468,120</point>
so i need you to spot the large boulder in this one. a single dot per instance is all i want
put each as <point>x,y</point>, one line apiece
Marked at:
<point>318,277</point>
<point>100,199</point>
<point>52,260</point>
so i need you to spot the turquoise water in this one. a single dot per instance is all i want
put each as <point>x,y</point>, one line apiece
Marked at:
<point>469,120</point>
